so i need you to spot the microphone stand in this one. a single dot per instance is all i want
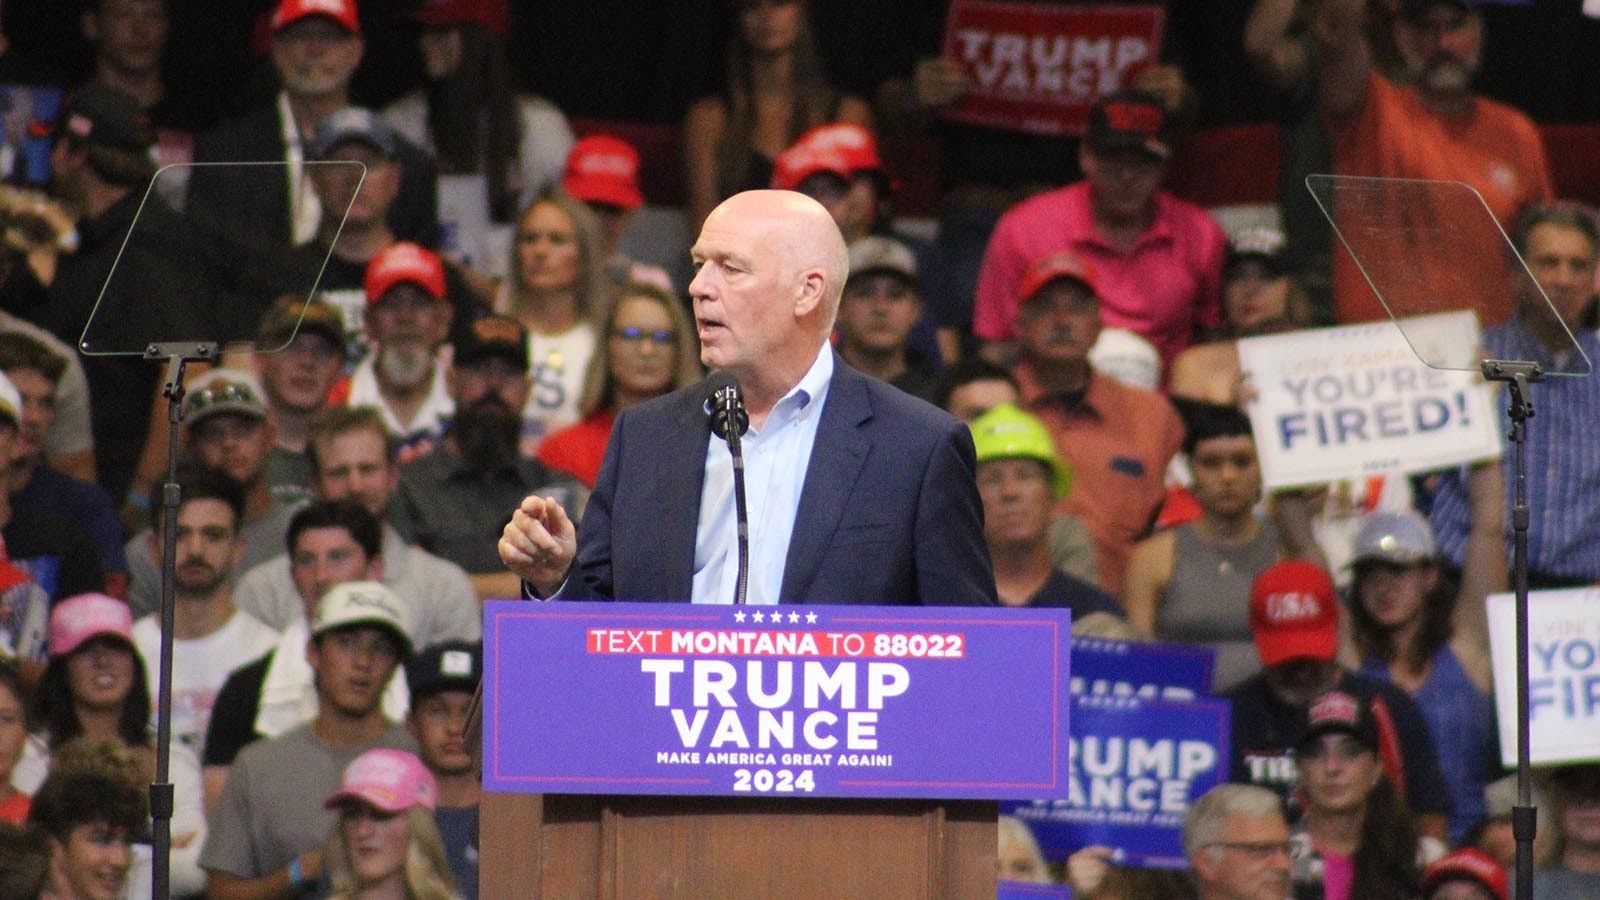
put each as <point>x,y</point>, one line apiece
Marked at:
<point>729,421</point>
<point>742,514</point>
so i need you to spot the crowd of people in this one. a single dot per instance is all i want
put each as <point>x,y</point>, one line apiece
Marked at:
<point>483,314</point>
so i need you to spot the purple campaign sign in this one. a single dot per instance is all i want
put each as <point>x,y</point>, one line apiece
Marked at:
<point>1104,668</point>
<point>1136,768</point>
<point>1019,890</point>
<point>830,701</point>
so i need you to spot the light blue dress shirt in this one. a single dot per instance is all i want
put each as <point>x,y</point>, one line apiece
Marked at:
<point>775,461</point>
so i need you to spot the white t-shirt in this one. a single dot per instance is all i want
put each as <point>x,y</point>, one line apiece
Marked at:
<point>556,366</point>
<point>200,666</point>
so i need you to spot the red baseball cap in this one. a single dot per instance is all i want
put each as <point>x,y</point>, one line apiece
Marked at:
<point>404,262</point>
<point>1294,613</point>
<point>1061,264</point>
<point>492,14</point>
<point>843,148</point>
<point>1470,864</point>
<point>603,169</point>
<point>292,11</point>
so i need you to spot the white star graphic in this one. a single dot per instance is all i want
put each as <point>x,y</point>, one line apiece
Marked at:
<point>759,617</point>
<point>794,618</point>
<point>811,618</point>
<point>739,616</point>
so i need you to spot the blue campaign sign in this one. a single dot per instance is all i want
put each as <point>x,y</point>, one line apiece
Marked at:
<point>1021,890</point>
<point>1103,668</point>
<point>827,701</point>
<point>1136,767</point>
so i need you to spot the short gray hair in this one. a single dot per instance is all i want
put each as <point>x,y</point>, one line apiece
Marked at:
<point>1208,817</point>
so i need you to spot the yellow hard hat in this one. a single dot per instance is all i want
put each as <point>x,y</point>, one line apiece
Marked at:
<point>1006,432</point>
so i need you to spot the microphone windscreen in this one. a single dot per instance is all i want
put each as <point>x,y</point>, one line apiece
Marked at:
<point>718,381</point>
<point>726,405</point>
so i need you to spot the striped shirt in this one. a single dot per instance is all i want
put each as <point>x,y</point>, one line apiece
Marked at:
<point>1563,465</point>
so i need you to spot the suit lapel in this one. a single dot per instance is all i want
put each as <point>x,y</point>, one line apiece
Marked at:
<point>682,450</point>
<point>836,460</point>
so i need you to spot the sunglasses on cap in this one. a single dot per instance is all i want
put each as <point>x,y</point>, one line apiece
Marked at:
<point>223,392</point>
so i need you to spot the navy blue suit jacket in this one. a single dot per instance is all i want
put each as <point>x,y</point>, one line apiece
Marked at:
<point>250,204</point>
<point>889,512</point>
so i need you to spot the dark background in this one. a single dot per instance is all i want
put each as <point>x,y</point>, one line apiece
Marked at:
<point>644,61</point>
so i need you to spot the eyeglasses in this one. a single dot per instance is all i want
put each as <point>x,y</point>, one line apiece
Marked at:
<point>1257,850</point>
<point>662,337</point>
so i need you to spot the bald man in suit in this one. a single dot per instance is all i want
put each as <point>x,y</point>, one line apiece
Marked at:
<point>858,492</point>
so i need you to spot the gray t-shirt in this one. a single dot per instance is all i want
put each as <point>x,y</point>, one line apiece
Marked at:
<point>444,606</point>
<point>271,810</point>
<point>263,539</point>
<point>1559,883</point>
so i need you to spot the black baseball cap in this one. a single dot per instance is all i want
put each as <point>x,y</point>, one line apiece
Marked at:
<point>1136,120</point>
<point>106,117</point>
<point>451,666</point>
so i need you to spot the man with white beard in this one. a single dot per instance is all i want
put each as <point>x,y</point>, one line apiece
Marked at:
<point>407,318</point>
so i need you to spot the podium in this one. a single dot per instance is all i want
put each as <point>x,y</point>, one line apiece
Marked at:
<point>545,847</point>
<point>867,745</point>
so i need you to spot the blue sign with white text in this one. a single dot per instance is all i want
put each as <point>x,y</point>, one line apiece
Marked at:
<point>1136,767</point>
<point>827,701</point>
<point>1176,672</point>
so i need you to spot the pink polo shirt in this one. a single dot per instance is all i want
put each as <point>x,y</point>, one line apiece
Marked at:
<point>1168,287</point>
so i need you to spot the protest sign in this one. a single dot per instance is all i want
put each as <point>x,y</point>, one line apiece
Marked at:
<point>1039,68</point>
<point>28,114</point>
<point>1137,766</point>
<point>1563,674</point>
<point>828,701</point>
<point>1354,401</point>
<point>1148,671</point>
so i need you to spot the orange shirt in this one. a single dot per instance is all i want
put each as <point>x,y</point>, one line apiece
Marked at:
<point>1494,149</point>
<point>1118,440</point>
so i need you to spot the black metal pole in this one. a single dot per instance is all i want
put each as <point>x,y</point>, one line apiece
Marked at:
<point>176,356</point>
<point>742,587</point>
<point>1524,819</point>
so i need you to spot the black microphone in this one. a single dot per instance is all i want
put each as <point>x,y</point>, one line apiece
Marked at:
<point>730,421</point>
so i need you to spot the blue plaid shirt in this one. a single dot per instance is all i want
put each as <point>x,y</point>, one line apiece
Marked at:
<point>1562,452</point>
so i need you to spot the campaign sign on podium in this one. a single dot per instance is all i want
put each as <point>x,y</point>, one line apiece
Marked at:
<point>821,701</point>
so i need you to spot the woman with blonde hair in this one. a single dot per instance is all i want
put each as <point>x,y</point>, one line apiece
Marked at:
<point>648,349</point>
<point>557,288</point>
<point>386,844</point>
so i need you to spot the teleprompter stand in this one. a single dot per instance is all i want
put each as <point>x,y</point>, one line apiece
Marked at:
<point>1517,376</point>
<point>1426,247</point>
<point>177,355</point>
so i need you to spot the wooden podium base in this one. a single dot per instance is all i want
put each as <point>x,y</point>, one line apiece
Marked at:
<point>580,847</point>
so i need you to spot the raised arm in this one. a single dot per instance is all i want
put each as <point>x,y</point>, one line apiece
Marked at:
<point>1279,58</point>
<point>1344,61</point>
<point>1484,568</point>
